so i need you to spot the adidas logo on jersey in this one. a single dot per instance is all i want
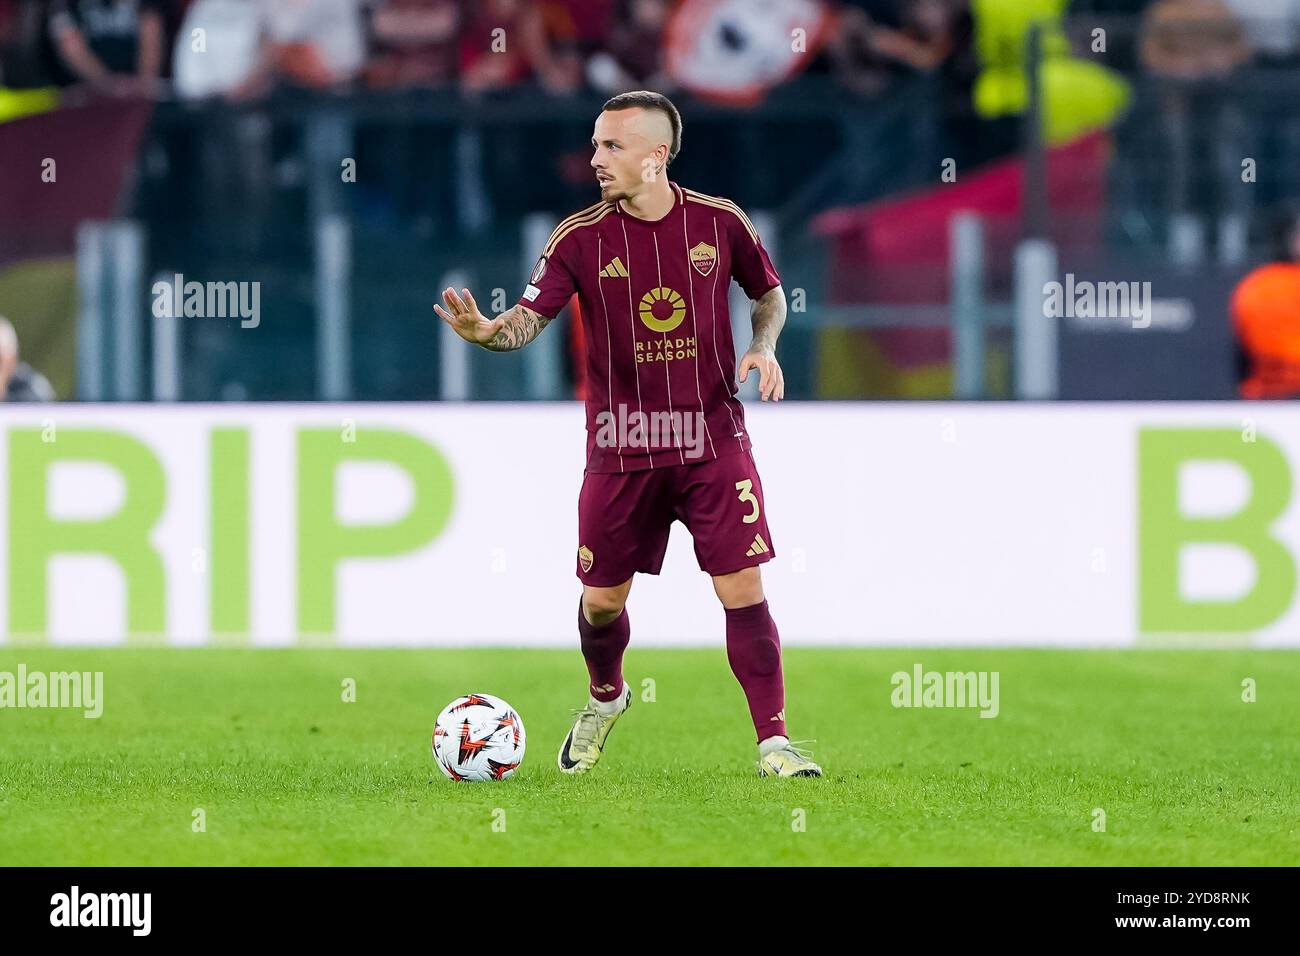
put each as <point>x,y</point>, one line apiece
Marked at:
<point>615,270</point>
<point>758,547</point>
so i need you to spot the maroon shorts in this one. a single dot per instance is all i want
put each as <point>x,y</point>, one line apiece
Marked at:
<point>624,519</point>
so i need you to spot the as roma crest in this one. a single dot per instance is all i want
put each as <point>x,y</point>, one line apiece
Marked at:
<point>585,558</point>
<point>703,257</point>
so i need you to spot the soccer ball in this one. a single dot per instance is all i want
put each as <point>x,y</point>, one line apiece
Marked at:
<point>478,737</point>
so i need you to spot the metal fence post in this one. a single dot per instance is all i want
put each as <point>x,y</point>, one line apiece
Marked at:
<point>1234,239</point>
<point>126,264</point>
<point>966,260</point>
<point>1036,349</point>
<point>1186,240</point>
<point>91,337</point>
<point>1036,204</point>
<point>166,352</point>
<point>333,308</point>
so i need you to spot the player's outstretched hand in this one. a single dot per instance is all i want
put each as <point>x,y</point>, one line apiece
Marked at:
<point>771,380</point>
<point>463,316</point>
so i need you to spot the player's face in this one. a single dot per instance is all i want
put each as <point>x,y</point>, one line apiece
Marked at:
<point>625,158</point>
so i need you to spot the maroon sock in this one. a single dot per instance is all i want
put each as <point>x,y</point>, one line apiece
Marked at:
<point>603,648</point>
<point>754,652</point>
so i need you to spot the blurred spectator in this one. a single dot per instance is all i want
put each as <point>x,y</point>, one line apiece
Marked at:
<point>1193,46</point>
<point>634,56</point>
<point>562,36</point>
<point>19,382</point>
<point>853,59</point>
<point>21,27</point>
<point>115,46</point>
<point>937,37</point>
<point>933,33</point>
<point>1192,40</point>
<point>413,43</point>
<point>1266,319</point>
<point>1272,29</point>
<point>929,37</point>
<point>315,44</point>
<point>492,45</point>
<point>174,12</point>
<point>232,26</point>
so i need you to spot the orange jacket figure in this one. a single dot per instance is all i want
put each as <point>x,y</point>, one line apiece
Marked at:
<point>1266,318</point>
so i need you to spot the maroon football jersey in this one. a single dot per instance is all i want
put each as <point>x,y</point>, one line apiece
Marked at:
<point>661,369</point>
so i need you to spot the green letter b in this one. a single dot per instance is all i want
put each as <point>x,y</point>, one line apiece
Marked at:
<point>1163,531</point>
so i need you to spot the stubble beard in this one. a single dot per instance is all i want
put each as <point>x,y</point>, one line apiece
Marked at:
<point>613,193</point>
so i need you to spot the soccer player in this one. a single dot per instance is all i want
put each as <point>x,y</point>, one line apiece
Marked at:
<point>651,264</point>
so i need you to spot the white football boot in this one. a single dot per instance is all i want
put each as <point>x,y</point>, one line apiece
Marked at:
<point>586,740</point>
<point>777,757</point>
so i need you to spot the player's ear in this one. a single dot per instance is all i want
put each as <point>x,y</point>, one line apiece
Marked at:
<point>661,155</point>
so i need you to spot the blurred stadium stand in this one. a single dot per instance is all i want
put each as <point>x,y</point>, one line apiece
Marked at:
<point>1166,138</point>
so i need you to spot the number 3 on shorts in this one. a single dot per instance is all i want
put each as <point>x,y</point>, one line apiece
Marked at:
<point>746,489</point>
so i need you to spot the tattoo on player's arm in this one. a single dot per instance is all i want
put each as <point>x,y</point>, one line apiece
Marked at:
<point>522,326</point>
<point>768,318</point>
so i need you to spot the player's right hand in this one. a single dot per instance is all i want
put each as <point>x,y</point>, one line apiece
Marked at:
<point>463,316</point>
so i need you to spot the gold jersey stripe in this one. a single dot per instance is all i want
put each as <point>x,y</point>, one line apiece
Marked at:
<point>585,218</point>
<point>718,202</point>
<point>577,219</point>
<point>730,206</point>
<point>749,226</point>
<point>577,215</point>
<point>564,223</point>
<point>727,203</point>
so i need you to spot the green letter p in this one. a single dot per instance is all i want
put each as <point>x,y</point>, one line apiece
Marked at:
<point>323,542</point>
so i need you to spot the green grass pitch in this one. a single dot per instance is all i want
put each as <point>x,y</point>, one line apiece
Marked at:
<point>287,773</point>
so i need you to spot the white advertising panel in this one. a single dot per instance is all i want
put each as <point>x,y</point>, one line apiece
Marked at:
<point>450,524</point>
